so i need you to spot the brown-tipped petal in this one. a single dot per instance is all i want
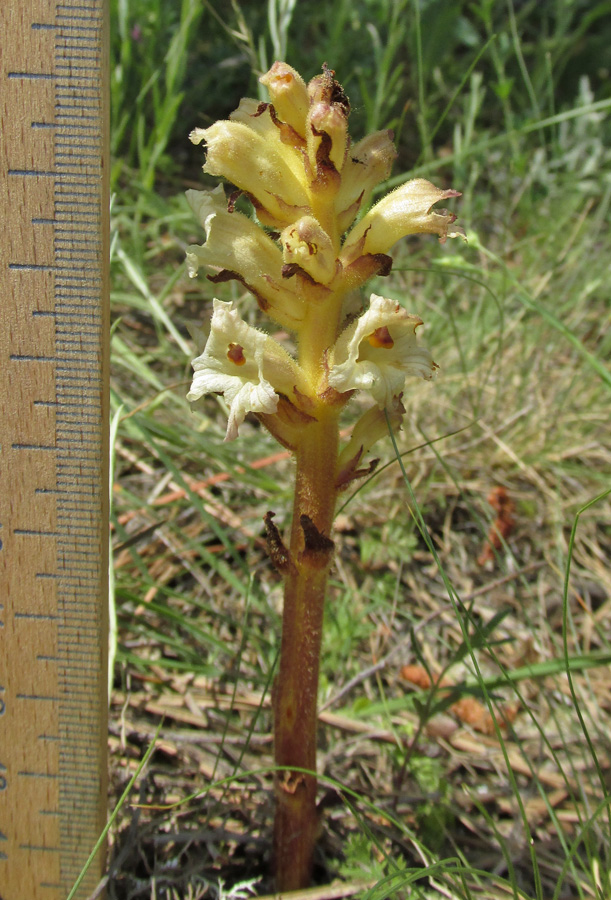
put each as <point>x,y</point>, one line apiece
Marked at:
<point>324,178</point>
<point>273,219</point>
<point>327,119</point>
<point>407,210</point>
<point>288,93</point>
<point>306,287</point>
<point>288,135</point>
<point>262,118</point>
<point>365,267</point>
<point>331,397</point>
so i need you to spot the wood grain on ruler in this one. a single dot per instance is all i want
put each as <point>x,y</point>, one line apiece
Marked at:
<point>53,444</point>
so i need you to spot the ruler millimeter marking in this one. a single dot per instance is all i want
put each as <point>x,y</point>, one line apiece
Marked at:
<point>53,444</point>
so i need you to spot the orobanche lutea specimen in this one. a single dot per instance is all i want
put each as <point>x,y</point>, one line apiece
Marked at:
<point>315,244</point>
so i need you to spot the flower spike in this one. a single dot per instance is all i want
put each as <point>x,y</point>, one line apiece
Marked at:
<point>305,254</point>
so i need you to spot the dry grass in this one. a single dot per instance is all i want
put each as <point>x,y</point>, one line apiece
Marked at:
<point>438,780</point>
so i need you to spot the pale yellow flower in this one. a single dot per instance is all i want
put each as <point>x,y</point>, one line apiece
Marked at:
<point>307,245</point>
<point>246,158</point>
<point>378,351</point>
<point>406,210</point>
<point>247,366</point>
<point>237,248</point>
<point>369,162</point>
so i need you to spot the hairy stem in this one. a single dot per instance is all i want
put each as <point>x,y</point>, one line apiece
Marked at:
<point>295,695</point>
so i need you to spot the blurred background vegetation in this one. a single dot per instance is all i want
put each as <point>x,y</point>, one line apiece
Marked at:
<point>496,785</point>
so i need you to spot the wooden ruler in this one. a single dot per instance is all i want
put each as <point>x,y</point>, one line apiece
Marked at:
<point>53,443</point>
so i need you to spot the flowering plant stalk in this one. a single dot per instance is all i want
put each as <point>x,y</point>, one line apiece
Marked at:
<point>304,262</point>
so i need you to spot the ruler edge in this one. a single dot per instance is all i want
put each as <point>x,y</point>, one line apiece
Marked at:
<point>106,487</point>
<point>29,12</point>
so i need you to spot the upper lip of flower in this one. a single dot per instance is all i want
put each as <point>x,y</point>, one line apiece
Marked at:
<point>289,95</point>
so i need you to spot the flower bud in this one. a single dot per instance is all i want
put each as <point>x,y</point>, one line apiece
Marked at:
<point>288,93</point>
<point>325,89</point>
<point>327,129</point>
<point>372,426</point>
<point>327,136</point>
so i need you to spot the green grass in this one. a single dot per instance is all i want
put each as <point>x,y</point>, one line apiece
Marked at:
<point>509,104</point>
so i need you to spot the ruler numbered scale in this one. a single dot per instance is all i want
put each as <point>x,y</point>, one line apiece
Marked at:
<point>53,444</point>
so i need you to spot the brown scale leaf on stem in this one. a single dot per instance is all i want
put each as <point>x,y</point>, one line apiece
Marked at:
<point>276,548</point>
<point>318,548</point>
<point>291,781</point>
